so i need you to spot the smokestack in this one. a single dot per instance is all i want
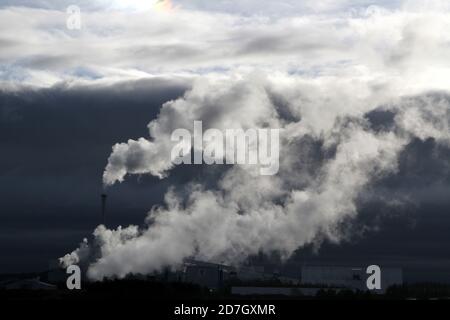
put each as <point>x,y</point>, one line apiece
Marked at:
<point>103,208</point>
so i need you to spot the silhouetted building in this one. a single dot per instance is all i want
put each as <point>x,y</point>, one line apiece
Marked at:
<point>354,278</point>
<point>206,274</point>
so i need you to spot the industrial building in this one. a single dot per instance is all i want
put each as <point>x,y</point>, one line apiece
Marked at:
<point>311,280</point>
<point>206,274</point>
<point>353,278</point>
<point>214,275</point>
<point>253,279</point>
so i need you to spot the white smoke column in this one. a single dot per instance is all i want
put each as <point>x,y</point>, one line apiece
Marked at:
<point>222,109</point>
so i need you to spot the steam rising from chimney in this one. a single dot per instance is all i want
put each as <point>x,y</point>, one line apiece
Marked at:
<point>318,89</point>
<point>247,213</point>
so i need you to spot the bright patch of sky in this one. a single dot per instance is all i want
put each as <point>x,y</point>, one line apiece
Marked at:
<point>246,7</point>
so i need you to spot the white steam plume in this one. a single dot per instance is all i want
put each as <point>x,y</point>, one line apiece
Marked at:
<point>248,213</point>
<point>319,76</point>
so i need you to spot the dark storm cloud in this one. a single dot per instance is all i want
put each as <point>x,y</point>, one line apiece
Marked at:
<point>55,143</point>
<point>54,146</point>
<point>379,201</point>
<point>381,120</point>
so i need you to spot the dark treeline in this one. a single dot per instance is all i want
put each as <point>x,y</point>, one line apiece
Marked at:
<point>162,290</point>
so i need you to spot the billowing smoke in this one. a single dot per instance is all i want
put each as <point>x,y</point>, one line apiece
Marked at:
<point>329,153</point>
<point>317,78</point>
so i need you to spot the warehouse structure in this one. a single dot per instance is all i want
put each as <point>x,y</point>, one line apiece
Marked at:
<point>354,278</point>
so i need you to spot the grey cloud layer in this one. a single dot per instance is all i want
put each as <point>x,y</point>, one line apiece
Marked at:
<point>368,42</point>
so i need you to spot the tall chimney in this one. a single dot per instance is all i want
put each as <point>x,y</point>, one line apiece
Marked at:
<point>104,208</point>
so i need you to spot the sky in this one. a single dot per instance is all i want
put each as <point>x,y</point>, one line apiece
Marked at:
<point>359,89</point>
